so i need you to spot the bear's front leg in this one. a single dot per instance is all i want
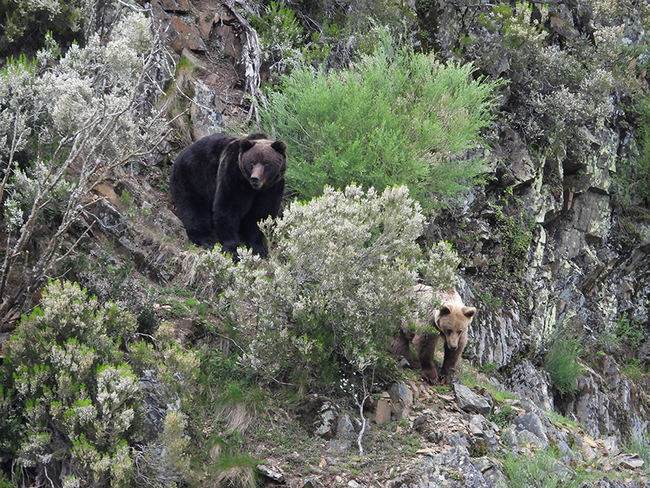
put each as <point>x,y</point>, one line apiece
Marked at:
<point>452,356</point>
<point>426,349</point>
<point>227,214</point>
<point>266,203</point>
<point>252,236</point>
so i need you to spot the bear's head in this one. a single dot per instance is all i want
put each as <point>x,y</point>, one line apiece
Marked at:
<point>452,321</point>
<point>262,161</point>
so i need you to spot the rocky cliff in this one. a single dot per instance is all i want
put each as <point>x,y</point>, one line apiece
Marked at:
<point>554,249</point>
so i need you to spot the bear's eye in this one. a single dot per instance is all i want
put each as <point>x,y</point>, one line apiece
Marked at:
<point>448,331</point>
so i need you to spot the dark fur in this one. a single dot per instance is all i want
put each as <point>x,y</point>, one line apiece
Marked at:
<point>214,192</point>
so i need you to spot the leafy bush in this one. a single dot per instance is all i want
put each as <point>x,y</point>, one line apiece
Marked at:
<point>562,364</point>
<point>337,284</point>
<point>632,184</point>
<point>25,22</point>
<point>558,97</point>
<point>78,401</point>
<point>65,125</point>
<point>394,118</point>
<point>503,417</point>
<point>284,42</point>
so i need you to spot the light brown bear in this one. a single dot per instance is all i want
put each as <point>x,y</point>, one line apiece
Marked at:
<point>451,321</point>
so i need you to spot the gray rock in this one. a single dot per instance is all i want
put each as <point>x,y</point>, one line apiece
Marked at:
<point>344,427</point>
<point>152,394</point>
<point>529,382</point>
<point>435,436</point>
<point>420,422</point>
<point>611,444</point>
<point>453,468</point>
<point>205,118</point>
<point>476,425</point>
<point>531,422</point>
<point>270,473</point>
<point>564,448</point>
<point>309,483</point>
<point>338,446</point>
<point>630,461</point>
<point>458,440</point>
<point>469,401</point>
<point>525,437</point>
<point>401,398</point>
<point>325,422</point>
<point>491,440</point>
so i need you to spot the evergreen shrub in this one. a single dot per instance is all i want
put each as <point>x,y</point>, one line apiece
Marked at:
<point>66,124</point>
<point>24,22</point>
<point>395,117</point>
<point>77,400</point>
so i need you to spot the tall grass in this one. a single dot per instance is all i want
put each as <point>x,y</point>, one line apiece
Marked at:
<point>542,470</point>
<point>562,364</point>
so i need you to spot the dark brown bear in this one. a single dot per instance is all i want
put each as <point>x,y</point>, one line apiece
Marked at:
<point>223,186</point>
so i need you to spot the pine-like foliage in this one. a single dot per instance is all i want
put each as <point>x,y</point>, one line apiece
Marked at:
<point>396,117</point>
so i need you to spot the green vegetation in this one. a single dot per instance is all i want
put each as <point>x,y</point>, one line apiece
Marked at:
<point>635,370</point>
<point>632,183</point>
<point>516,232</point>
<point>76,399</point>
<point>562,364</point>
<point>471,380</point>
<point>395,117</point>
<point>25,23</point>
<point>559,419</point>
<point>503,417</point>
<point>212,357</point>
<point>285,44</point>
<point>542,470</point>
<point>318,320</point>
<point>630,330</point>
<point>641,446</point>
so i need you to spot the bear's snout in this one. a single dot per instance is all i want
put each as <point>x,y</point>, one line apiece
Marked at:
<point>255,182</point>
<point>256,178</point>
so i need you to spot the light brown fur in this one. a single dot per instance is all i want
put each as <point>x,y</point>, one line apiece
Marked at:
<point>451,321</point>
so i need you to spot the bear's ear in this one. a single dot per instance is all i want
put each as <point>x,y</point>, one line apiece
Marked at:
<point>280,147</point>
<point>444,310</point>
<point>469,312</point>
<point>245,145</point>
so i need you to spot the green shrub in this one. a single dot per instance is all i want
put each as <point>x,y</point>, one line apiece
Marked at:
<point>337,284</point>
<point>79,401</point>
<point>542,470</point>
<point>630,329</point>
<point>562,364</point>
<point>65,127</point>
<point>503,417</point>
<point>394,118</point>
<point>632,182</point>
<point>285,45</point>
<point>25,22</point>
